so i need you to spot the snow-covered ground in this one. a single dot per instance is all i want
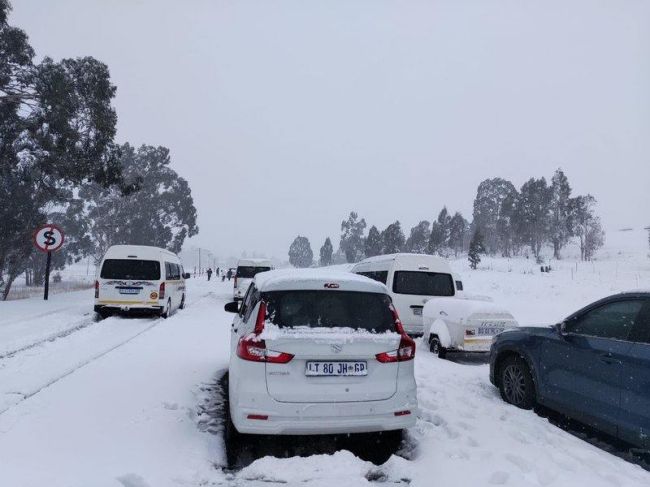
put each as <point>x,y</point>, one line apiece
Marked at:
<point>125,402</point>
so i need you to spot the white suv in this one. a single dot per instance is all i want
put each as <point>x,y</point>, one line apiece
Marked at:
<point>319,352</point>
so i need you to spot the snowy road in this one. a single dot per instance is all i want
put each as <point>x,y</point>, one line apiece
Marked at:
<point>119,403</point>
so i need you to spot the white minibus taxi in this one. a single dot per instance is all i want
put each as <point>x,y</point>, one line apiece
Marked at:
<point>411,279</point>
<point>139,278</point>
<point>247,269</point>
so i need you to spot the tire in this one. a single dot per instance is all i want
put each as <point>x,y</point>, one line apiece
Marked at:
<point>166,312</point>
<point>104,313</point>
<point>436,348</point>
<point>516,383</point>
<point>182,305</point>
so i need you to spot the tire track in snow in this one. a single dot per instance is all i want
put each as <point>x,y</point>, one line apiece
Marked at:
<point>89,360</point>
<point>76,326</point>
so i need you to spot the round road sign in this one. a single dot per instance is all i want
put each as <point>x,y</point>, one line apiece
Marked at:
<point>48,238</point>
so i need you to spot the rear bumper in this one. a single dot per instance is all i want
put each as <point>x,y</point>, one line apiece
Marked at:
<point>129,308</point>
<point>325,418</point>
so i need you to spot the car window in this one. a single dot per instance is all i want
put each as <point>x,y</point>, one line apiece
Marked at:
<point>327,309</point>
<point>246,301</point>
<point>380,276</point>
<point>254,299</point>
<point>613,320</point>
<point>249,271</point>
<point>146,270</point>
<point>423,283</point>
<point>641,331</point>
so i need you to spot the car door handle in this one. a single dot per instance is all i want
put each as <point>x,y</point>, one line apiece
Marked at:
<point>608,358</point>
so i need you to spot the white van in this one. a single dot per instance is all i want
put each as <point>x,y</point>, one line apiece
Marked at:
<point>412,279</point>
<point>245,272</point>
<point>139,278</point>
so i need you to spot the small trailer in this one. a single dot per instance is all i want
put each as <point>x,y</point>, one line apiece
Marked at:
<point>465,324</point>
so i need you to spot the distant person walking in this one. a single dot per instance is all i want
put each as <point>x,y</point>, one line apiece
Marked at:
<point>209,273</point>
<point>229,274</point>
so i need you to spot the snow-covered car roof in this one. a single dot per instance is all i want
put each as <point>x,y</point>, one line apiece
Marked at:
<point>316,279</point>
<point>407,259</point>
<point>137,252</point>
<point>254,262</point>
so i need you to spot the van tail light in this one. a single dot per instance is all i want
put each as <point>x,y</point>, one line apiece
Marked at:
<point>252,348</point>
<point>235,281</point>
<point>406,348</point>
<point>96,289</point>
<point>161,292</point>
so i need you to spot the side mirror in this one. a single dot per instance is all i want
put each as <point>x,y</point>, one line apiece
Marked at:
<point>186,275</point>
<point>561,328</point>
<point>232,307</point>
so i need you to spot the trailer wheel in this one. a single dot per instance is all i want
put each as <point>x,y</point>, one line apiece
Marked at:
<point>436,347</point>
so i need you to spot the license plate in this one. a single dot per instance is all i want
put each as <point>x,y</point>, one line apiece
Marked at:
<point>128,290</point>
<point>336,368</point>
<point>417,311</point>
<point>489,331</point>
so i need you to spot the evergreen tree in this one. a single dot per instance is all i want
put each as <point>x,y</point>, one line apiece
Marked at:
<point>444,221</point>
<point>392,238</point>
<point>487,209</point>
<point>506,230</point>
<point>559,207</point>
<point>457,231</point>
<point>326,252</point>
<point>533,213</point>
<point>584,224</point>
<point>476,248</point>
<point>300,253</point>
<point>159,210</point>
<point>56,131</point>
<point>418,241</point>
<point>373,244</point>
<point>436,239</point>
<point>352,241</point>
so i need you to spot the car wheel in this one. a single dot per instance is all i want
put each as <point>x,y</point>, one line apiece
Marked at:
<point>168,308</point>
<point>436,347</point>
<point>516,383</point>
<point>182,305</point>
<point>104,313</point>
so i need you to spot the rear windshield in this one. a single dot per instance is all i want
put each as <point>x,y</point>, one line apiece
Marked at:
<point>145,270</point>
<point>330,309</point>
<point>423,283</point>
<point>249,271</point>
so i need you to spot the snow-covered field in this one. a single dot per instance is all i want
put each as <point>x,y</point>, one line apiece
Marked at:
<point>125,402</point>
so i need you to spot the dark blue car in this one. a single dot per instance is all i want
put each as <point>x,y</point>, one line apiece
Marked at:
<point>593,367</point>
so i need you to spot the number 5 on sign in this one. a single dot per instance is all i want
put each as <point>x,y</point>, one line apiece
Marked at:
<point>48,238</point>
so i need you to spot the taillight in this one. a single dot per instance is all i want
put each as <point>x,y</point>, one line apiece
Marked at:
<point>161,292</point>
<point>252,348</point>
<point>406,349</point>
<point>96,289</point>
<point>235,281</point>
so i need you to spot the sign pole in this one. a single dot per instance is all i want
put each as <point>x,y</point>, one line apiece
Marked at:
<point>46,289</point>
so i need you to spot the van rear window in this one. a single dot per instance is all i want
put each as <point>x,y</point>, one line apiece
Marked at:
<point>133,269</point>
<point>330,309</point>
<point>249,271</point>
<point>423,283</point>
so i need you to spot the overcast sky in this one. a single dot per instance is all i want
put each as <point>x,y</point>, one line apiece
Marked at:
<point>286,115</point>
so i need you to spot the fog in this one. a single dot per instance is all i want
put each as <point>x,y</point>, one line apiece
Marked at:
<point>286,115</point>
